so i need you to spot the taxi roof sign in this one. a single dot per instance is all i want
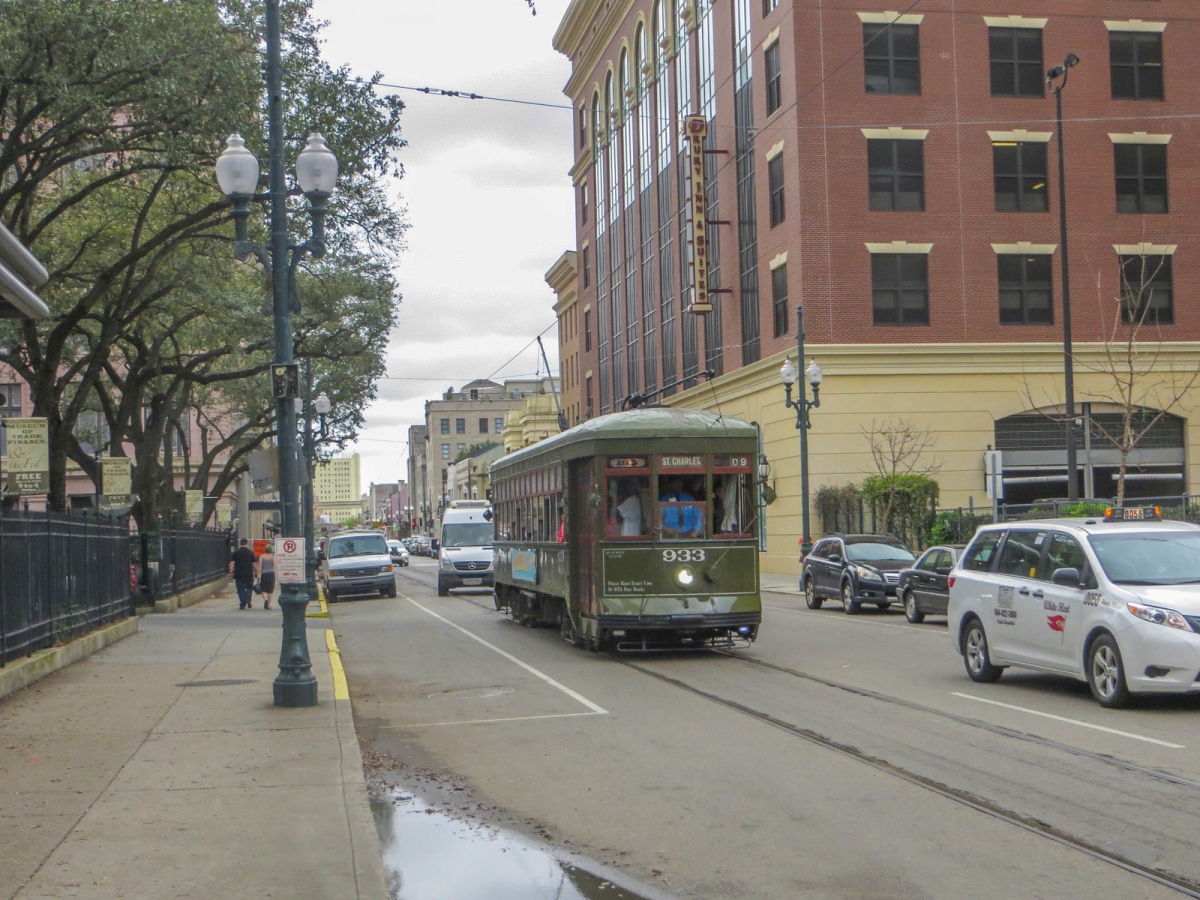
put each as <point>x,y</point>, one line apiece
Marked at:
<point>1133,514</point>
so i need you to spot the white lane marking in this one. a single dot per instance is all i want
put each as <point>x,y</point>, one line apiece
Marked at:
<point>524,665</point>
<point>490,721</point>
<point>1045,715</point>
<point>849,621</point>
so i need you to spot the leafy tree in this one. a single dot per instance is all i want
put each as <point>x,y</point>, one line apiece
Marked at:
<point>112,113</point>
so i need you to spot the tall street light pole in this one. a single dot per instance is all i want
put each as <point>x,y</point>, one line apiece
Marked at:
<point>316,172</point>
<point>1056,79</point>
<point>813,375</point>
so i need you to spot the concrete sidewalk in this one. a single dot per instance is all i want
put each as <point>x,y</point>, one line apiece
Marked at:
<point>159,768</point>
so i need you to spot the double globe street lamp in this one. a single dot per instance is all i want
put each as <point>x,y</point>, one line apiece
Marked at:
<point>814,376</point>
<point>316,173</point>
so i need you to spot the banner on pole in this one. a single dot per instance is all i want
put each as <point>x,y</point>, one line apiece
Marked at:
<point>28,456</point>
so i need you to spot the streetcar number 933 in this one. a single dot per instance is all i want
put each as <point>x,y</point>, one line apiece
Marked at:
<point>684,555</point>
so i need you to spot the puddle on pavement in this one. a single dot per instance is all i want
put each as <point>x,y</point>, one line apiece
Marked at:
<point>428,855</point>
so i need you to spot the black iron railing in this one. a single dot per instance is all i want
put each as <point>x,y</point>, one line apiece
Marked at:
<point>61,576</point>
<point>171,560</point>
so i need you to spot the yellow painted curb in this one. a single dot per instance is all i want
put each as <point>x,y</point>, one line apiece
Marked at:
<point>324,613</point>
<point>341,690</point>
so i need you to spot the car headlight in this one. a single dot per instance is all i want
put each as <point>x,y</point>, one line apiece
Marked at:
<point>867,574</point>
<point>384,569</point>
<point>685,577</point>
<point>444,563</point>
<point>1159,616</point>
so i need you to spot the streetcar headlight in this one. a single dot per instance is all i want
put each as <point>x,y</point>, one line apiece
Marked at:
<point>685,576</point>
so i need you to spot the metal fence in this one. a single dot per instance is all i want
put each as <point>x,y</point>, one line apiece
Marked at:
<point>172,560</point>
<point>957,526</point>
<point>61,575</point>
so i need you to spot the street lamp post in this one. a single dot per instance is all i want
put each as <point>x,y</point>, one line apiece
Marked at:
<point>1059,74</point>
<point>813,375</point>
<point>316,172</point>
<point>321,405</point>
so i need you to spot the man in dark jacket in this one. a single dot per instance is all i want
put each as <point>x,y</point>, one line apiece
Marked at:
<point>241,566</point>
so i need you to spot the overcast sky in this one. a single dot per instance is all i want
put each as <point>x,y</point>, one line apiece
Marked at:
<point>486,192</point>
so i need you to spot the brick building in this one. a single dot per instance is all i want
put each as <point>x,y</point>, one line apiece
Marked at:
<point>896,174</point>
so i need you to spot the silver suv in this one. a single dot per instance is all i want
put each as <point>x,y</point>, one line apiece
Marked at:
<point>356,562</point>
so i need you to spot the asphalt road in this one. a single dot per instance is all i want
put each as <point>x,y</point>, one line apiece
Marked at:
<point>837,757</point>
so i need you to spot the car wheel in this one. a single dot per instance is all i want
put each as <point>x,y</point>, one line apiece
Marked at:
<point>1106,673</point>
<point>911,612</point>
<point>330,596</point>
<point>442,589</point>
<point>849,604</point>
<point>811,600</point>
<point>976,656</point>
<point>391,591</point>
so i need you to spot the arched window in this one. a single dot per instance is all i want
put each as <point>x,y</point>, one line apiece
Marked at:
<point>595,122</point>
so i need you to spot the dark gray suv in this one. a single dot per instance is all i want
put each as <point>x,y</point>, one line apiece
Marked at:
<point>854,568</point>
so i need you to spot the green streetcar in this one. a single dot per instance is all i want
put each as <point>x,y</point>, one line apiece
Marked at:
<point>637,530</point>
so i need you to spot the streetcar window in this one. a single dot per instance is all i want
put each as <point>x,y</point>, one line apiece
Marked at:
<point>627,507</point>
<point>682,506</point>
<point>733,507</point>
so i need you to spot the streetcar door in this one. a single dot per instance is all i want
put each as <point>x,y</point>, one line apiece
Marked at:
<point>583,522</point>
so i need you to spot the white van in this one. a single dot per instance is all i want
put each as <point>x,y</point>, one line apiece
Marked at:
<point>465,548</point>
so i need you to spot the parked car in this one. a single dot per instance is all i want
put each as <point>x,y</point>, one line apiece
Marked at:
<point>1113,601</point>
<point>397,552</point>
<point>855,568</point>
<point>356,562</point>
<point>924,588</point>
<point>423,545</point>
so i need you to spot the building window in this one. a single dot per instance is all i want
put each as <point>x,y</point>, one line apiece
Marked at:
<point>774,79</point>
<point>445,451</point>
<point>769,7</point>
<point>483,426</point>
<point>900,284</point>
<point>892,59</point>
<point>775,184</point>
<point>587,411</point>
<point>1020,168</point>
<point>1141,171</point>
<point>460,426</point>
<point>10,408</point>
<point>1136,64</point>
<point>445,426</point>
<point>1016,57</point>
<point>587,331</point>
<point>1025,292</point>
<point>1146,290</point>
<point>498,424</point>
<point>896,175</point>
<point>460,449</point>
<point>779,298</point>
<point>587,266</point>
<point>583,202</point>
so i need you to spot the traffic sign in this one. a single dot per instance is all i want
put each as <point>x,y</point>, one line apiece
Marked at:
<point>289,560</point>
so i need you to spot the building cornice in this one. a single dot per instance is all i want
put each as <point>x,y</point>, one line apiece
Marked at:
<point>572,33</point>
<point>916,359</point>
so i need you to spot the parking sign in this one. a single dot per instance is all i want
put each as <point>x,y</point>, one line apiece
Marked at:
<point>289,560</point>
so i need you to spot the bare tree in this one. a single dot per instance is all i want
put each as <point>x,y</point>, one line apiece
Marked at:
<point>1143,378</point>
<point>898,449</point>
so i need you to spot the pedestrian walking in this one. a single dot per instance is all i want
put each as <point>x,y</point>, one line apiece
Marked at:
<point>242,565</point>
<point>265,569</point>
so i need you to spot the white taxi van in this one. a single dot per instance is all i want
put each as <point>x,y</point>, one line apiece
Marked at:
<point>1113,600</point>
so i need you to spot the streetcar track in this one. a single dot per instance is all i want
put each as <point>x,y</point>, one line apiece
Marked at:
<point>1155,774</point>
<point>1035,826</point>
<point>1181,884</point>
